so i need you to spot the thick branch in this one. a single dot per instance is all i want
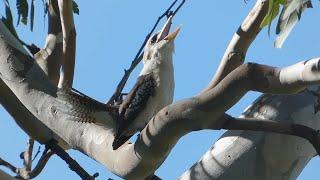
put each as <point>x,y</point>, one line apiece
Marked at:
<point>242,154</point>
<point>236,51</point>
<point>50,57</point>
<point>142,158</point>
<point>251,124</point>
<point>69,43</point>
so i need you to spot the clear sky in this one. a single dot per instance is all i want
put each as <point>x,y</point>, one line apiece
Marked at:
<point>109,34</point>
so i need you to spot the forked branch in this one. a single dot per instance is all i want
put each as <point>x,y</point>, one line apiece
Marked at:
<point>26,172</point>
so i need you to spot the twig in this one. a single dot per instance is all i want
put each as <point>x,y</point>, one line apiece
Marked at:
<point>37,153</point>
<point>73,165</point>
<point>41,164</point>
<point>25,172</point>
<point>313,136</point>
<point>178,8</point>
<point>8,165</point>
<point>139,55</point>
<point>27,155</point>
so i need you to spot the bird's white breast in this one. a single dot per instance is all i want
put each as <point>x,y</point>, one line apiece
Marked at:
<point>164,91</point>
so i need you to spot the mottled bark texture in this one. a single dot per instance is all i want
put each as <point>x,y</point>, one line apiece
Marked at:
<point>41,106</point>
<point>259,155</point>
<point>30,85</point>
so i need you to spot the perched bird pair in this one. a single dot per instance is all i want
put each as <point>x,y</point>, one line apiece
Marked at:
<point>154,87</point>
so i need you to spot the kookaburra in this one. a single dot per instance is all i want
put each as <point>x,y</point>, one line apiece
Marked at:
<point>154,87</point>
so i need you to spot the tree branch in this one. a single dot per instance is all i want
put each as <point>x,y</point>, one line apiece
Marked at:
<point>69,43</point>
<point>40,165</point>
<point>26,172</point>
<point>237,49</point>
<point>312,135</point>
<point>8,165</point>
<point>50,57</point>
<point>73,165</point>
<point>245,154</point>
<point>141,159</point>
<point>27,156</point>
<point>4,175</point>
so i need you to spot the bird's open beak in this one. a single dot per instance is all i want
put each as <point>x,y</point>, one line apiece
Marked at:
<point>165,31</point>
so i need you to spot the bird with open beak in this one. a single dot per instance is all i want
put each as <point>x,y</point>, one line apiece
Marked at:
<point>153,89</point>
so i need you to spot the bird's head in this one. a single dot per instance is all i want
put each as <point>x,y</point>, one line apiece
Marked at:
<point>161,44</point>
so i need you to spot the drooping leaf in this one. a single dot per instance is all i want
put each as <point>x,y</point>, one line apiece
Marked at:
<point>288,18</point>
<point>8,12</point>
<point>22,9</point>
<point>273,10</point>
<point>32,15</point>
<point>8,20</point>
<point>75,7</point>
<point>295,5</point>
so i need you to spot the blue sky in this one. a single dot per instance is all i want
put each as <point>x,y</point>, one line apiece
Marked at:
<point>109,34</point>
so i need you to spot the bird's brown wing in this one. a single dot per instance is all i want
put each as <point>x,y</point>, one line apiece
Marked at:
<point>133,104</point>
<point>82,107</point>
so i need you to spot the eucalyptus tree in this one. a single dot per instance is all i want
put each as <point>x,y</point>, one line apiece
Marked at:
<point>36,89</point>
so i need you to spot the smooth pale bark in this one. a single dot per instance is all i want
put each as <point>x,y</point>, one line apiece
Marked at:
<point>259,155</point>
<point>237,49</point>
<point>50,57</point>
<point>69,43</point>
<point>237,154</point>
<point>135,161</point>
<point>29,84</point>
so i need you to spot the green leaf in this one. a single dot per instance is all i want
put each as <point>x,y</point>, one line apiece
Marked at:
<point>22,9</point>
<point>288,18</point>
<point>273,10</point>
<point>75,7</point>
<point>283,2</point>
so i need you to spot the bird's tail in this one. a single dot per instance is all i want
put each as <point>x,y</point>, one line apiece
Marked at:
<point>119,141</point>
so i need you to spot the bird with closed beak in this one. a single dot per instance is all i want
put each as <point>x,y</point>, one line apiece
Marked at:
<point>153,89</point>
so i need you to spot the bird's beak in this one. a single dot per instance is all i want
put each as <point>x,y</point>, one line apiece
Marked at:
<point>173,35</point>
<point>164,33</point>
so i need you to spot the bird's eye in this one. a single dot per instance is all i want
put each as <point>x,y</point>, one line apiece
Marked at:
<point>154,39</point>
